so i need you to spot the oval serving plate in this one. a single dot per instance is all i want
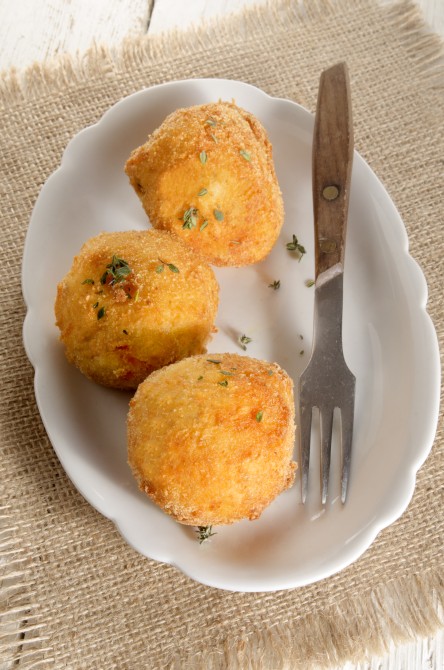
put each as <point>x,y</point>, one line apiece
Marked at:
<point>389,343</point>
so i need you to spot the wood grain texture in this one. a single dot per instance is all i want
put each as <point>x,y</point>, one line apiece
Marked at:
<point>35,31</point>
<point>332,163</point>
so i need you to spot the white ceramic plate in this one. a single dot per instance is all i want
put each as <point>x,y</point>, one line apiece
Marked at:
<point>389,343</point>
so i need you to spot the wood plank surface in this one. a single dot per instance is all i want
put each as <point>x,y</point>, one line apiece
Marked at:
<point>36,30</point>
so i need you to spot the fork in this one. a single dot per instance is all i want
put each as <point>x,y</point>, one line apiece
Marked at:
<point>327,383</point>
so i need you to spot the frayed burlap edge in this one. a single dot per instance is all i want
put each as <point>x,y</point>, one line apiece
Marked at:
<point>425,49</point>
<point>22,636</point>
<point>395,613</point>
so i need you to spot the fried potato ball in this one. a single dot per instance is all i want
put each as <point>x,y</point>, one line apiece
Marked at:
<point>207,174</point>
<point>210,438</point>
<point>133,302</point>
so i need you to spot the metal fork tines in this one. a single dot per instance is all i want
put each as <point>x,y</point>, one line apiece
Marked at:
<point>327,383</point>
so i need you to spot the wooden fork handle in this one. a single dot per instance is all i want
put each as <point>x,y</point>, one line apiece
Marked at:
<point>332,164</point>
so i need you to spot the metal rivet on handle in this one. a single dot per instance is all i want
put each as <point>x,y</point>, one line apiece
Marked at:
<point>327,246</point>
<point>330,192</point>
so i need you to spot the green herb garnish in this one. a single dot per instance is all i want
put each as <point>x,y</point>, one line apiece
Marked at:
<point>213,360</point>
<point>204,225</point>
<point>214,138</point>
<point>244,340</point>
<point>223,383</point>
<point>170,267</point>
<point>203,191</point>
<point>203,157</point>
<point>295,246</point>
<point>116,271</point>
<point>96,304</point>
<point>309,282</point>
<point>226,372</point>
<point>211,122</point>
<point>259,416</point>
<point>245,155</point>
<point>88,281</point>
<point>204,533</point>
<point>190,218</point>
<point>275,285</point>
<point>101,313</point>
<point>218,214</point>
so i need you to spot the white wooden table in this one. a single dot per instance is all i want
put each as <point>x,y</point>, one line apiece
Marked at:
<point>35,30</point>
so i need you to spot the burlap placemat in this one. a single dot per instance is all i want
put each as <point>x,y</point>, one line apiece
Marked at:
<point>76,596</point>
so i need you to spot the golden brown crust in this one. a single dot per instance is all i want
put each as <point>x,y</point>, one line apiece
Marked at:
<point>222,151</point>
<point>152,317</point>
<point>211,442</point>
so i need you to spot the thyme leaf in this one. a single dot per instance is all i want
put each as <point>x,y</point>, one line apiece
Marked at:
<point>101,313</point>
<point>218,214</point>
<point>203,157</point>
<point>275,284</point>
<point>245,154</point>
<point>259,416</point>
<point>190,218</point>
<point>88,281</point>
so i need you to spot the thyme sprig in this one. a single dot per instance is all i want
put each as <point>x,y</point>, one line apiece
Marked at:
<point>275,284</point>
<point>295,246</point>
<point>170,266</point>
<point>204,533</point>
<point>116,271</point>
<point>244,340</point>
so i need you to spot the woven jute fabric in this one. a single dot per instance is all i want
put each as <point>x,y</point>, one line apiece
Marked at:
<point>74,594</point>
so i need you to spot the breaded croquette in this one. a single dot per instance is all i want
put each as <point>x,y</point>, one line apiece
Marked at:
<point>133,302</point>
<point>207,174</point>
<point>210,438</point>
